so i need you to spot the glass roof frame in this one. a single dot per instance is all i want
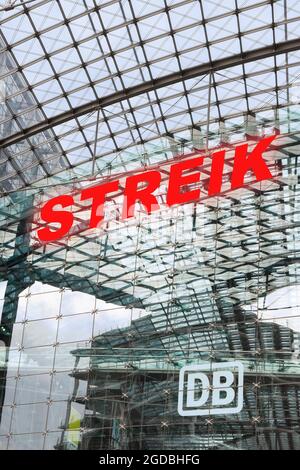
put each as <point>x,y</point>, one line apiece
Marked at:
<point>82,147</point>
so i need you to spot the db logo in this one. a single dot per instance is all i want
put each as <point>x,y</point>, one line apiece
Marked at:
<point>211,389</point>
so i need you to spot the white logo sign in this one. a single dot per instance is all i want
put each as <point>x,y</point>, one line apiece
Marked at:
<point>211,389</point>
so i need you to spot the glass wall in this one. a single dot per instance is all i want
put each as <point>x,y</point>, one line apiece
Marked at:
<point>97,328</point>
<point>119,337</point>
<point>42,395</point>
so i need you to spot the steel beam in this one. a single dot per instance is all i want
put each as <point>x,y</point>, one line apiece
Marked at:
<point>151,85</point>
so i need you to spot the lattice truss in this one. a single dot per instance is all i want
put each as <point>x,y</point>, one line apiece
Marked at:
<point>69,57</point>
<point>105,88</point>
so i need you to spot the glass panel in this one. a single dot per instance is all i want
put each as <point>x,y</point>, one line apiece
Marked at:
<point>178,329</point>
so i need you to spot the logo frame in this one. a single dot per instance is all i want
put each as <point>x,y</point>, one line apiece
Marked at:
<point>210,368</point>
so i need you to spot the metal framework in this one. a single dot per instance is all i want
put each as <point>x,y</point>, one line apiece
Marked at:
<point>91,89</point>
<point>87,53</point>
<point>153,85</point>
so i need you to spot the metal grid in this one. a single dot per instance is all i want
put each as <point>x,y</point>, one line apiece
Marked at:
<point>95,89</point>
<point>60,56</point>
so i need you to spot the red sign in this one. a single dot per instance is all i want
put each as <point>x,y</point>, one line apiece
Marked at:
<point>140,187</point>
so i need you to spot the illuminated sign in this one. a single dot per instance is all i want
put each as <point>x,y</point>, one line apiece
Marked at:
<point>183,178</point>
<point>211,389</point>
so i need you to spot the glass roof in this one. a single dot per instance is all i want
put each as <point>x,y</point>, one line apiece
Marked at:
<point>57,56</point>
<point>93,88</point>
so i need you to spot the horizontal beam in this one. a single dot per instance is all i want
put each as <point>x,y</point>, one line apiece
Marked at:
<point>151,85</point>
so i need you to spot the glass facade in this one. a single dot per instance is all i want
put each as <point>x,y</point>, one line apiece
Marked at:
<point>96,328</point>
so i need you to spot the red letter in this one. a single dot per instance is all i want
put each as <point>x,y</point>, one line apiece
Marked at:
<point>174,196</point>
<point>145,196</point>
<point>254,162</point>
<point>98,193</point>
<point>65,219</point>
<point>216,173</point>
